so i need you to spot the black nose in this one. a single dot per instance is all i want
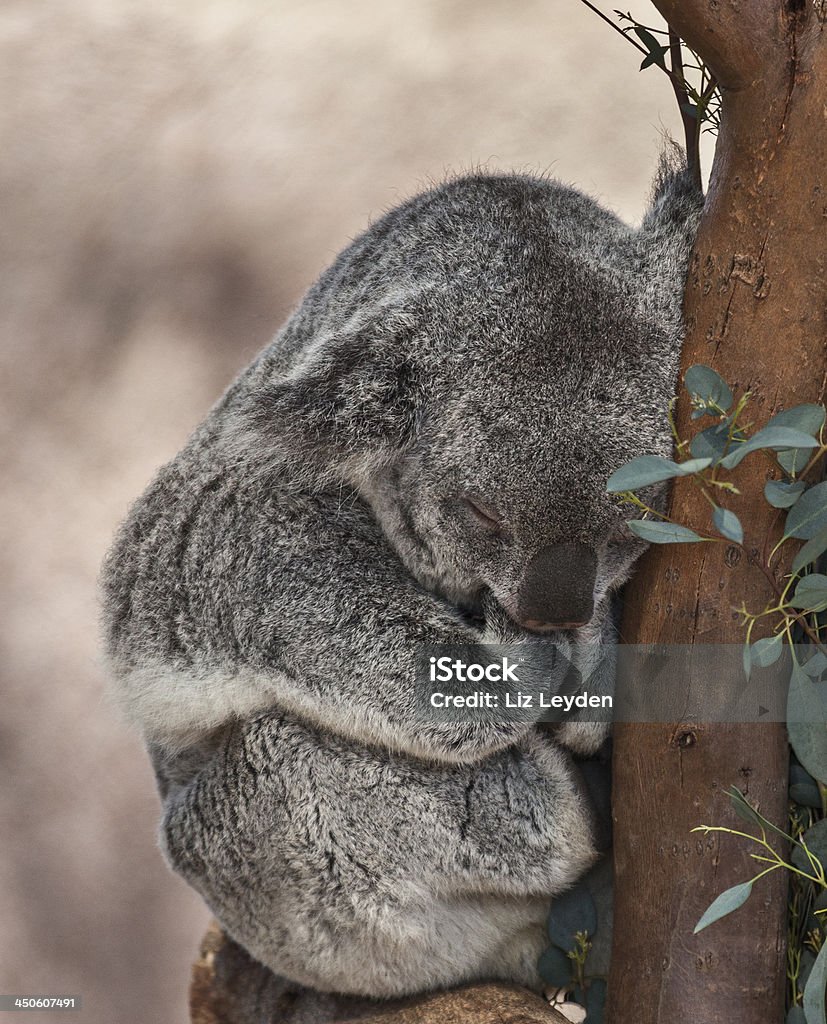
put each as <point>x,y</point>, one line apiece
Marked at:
<point>557,589</point>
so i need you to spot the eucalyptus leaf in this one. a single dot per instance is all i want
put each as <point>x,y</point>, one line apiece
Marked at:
<point>814,547</point>
<point>795,1015</point>
<point>806,964</point>
<point>807,723</point>
<point>728,524</point>
<point>648,40</point>
<point>651,469</point>
<point>811,593</point>
<point>662,533</point>
<point>708,386</point>
<point>710,443</point>
<point>815,665</point>
<point>747,812</point>
<point>571,913</point>
<point>816,839</point>
<point>770,437</point>
<point>805,794</point>
<point>783,493</point>
<point>794,460</point>
<point>742,807</point>
<point>767,650</point>
<point>554,968</point>
<point>726,903</point>
<point>814,990</point>
<point>800,774</point>
<point>808,417</point>
<point>808,516</point>
<point>654,58</point>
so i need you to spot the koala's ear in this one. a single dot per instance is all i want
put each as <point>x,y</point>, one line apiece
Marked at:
<point>352,397</point>
<point>667,233</point>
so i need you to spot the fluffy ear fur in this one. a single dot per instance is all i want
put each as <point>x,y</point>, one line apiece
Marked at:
<point>667,235</point>
<point>350,401</point>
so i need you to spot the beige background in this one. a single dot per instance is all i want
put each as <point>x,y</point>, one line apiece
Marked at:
<point>170,181</point>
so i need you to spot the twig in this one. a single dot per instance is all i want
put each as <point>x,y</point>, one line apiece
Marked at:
<point>617,28</point>
<point>690,123</point>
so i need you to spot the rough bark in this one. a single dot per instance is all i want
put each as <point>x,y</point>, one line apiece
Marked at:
<point>229,987</point>
<point>756,311</point>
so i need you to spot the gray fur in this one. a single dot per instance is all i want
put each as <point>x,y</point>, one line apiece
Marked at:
<point>502,336</point>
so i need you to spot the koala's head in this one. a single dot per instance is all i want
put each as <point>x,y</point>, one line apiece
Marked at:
<point>476,365</point>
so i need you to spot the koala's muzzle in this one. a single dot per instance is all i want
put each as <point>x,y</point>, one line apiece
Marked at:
<point>557,589</point>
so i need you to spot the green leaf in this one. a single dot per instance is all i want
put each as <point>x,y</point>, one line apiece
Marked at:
<point>814,1009</point>
<point>657,51</point>
<point>662,533</point>
<point>807,723</point>
<point>692,466</point>
<point>748,813</point>
<point>570,913</point>
<point>742,807</point>
<point>767,650</point>
<point>596,1002</point>
<point>816,840</point>
<point>704,384</point>
<point>795,1015</point>
<point>808,516</point>
<point>648,40</point>
<point>555,968</point>
<point>783,493</point>
<point>651,469</point>
<point>811,551</point>
<point>728,524</point>
<point>806,964</point>
<point>815,665</point>
<point>808,417</point>
<point>799,774</point>
<point>711,443</point>
<point>769,437</point>
<point>726,903</point>
<point>654,58</point>
<point>794,460</point>
<point>811,593</point>
<point>805,794</point>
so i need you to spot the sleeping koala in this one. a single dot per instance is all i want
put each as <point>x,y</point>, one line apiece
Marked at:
<point>419,457</point>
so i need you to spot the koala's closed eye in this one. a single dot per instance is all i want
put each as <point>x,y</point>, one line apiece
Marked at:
<point>484,515</point>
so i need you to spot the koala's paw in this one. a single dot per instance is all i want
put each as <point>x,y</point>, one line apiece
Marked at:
<point>582,738</point>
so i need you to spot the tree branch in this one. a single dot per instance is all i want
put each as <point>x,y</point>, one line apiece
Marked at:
<point>735,40</point>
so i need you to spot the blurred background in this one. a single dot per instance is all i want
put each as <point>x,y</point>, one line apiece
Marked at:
<point>172,178</point>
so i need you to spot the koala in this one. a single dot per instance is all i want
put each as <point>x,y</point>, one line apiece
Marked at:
<point>419,457</point>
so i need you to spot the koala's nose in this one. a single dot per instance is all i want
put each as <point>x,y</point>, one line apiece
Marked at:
<point>557,588</point>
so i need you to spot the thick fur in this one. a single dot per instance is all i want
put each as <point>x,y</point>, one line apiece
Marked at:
<point>498,336</point>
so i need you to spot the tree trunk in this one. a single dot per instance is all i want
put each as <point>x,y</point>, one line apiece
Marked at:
<point>229,987</point>
<point>756,311</point>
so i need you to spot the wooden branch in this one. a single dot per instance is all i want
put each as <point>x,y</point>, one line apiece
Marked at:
<point>756,310</point>
<point>738,39</point>
<point>229,987</point>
